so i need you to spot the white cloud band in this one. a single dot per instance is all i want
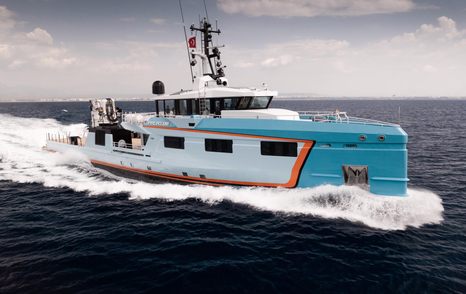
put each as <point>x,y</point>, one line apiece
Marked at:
<point>309,8</point>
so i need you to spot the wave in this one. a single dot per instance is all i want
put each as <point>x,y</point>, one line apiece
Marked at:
<point>23,160</point>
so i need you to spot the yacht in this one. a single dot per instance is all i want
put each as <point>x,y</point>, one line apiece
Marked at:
<point>215,134</point>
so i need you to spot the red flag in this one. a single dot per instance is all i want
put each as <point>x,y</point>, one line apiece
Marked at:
<point>192,42</point>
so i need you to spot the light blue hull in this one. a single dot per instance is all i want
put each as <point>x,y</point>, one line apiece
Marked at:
<point>323,150</point>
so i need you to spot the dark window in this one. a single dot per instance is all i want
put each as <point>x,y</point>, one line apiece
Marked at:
<point>217,145</point>
<point>216,106</point>
<point>145,138</point>
<point>173,142</point>
<point>100,137</point>
<point>229,103</point>
<point>279,149</point>
<point>260,102</point>
<point>169,107</point>
<point>244,103</point>
<point>195,106</point>
<point>181,107</point>
<point>121,134</point>
<point>204,106</point>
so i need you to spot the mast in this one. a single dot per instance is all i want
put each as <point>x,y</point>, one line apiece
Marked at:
<point>210,52</point>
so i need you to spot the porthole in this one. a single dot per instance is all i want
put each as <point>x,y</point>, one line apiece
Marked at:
<point>381,138</point>
<point>362,137</point>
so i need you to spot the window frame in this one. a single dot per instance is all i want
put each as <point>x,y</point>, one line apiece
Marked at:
<point>282,149</point>
<point>217,145</point>
<point>173,142</point>
<point>255,97</point>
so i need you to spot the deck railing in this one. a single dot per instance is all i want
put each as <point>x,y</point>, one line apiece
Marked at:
<point>127,146</point>
<point>315,116</point>
<point>339,117</point>
<point>65,139</point>
<point>324,116</point>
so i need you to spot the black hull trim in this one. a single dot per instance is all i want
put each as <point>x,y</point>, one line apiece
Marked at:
<point>145,177</point>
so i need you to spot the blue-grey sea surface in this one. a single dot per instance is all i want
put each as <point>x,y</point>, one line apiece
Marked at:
<point>66,226</point>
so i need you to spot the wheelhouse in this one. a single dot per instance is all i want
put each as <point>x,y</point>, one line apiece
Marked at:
<point>209,106</point>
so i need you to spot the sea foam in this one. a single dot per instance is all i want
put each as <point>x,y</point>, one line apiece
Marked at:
<point>23,160</point>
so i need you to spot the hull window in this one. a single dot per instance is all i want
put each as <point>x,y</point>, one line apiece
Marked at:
<point>279,148</point>
<point>217,145</point>
<point>173,142</point>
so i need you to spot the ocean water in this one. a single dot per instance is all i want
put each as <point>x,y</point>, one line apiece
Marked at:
<point>66,226</point>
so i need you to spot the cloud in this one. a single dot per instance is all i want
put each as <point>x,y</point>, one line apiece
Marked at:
<point>41,36</point>
<point>29,50</point>
<point>286,53</point>
<point>310,8</point>
<point>158,21</point>
<point>244,64</point>
<point>429,61</point>
<point>6,19</point>
<point>33,64</point>
<point>5,51</point>
<point>277,61</point>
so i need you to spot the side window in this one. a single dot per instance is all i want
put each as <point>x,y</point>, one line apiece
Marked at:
<point>244,103</point>
<point>230,103</point>
<point>173,142</point>
<point>181,107</point>
<point>100,137</point>
<point>195,106</point>
<point>169,107</point>
<point>204,106</point>
<point>217,145</point>
<point>279,148</point>
<point>259,102</point>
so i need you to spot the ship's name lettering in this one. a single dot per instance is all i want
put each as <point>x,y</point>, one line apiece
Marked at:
<point>157,123</point>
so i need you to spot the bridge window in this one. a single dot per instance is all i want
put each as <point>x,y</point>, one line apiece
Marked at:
<point>217,145</point>
<point>173,142</point>
<point>230,103</point>
<point>244,103</point>
<point>211,105</point>
<point>184,106</point>
<point>279,148</point>
<point>169,107</point>
<point>260,102</point>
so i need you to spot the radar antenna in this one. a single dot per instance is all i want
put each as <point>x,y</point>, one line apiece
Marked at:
<point>186,40</point>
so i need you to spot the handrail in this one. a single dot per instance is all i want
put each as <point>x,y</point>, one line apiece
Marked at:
<point>127,146</point>
<point>64,138</point>
<point>339,117</point>
<point>314,116</point>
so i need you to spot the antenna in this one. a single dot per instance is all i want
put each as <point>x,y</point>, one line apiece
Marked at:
<point>206,14</point>
<point>186,40</point>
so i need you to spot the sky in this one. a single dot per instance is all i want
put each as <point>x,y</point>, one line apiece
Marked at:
<point>340,48</point>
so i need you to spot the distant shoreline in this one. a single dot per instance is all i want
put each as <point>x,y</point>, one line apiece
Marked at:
<point>282,98</point>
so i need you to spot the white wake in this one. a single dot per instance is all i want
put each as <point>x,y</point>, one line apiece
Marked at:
<point>23,160</point>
